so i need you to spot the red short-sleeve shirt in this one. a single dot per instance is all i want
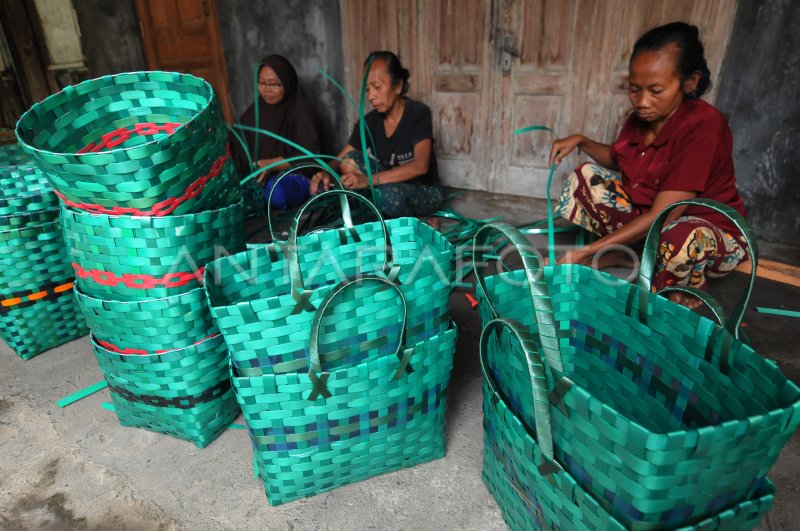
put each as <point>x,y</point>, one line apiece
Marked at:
<point>692,152</point>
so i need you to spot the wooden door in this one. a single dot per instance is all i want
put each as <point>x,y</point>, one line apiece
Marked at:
<point>568,71</point>
<point>183,36</point>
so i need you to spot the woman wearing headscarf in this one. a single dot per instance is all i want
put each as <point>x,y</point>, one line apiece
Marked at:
<point>281,108</point>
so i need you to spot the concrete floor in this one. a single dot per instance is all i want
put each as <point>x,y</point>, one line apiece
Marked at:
<point>76,468</point>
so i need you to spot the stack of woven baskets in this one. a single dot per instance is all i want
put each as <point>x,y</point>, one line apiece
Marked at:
<point>37,311</point>
<point>141,164</point>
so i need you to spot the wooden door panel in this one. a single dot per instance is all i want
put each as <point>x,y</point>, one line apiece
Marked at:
<point>182,36</point>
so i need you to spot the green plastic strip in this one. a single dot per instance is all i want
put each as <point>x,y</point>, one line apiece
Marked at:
<point>108,405</point>
<point>778,311</point>
<point>376,194</point>
<point>551,241</point>
<point>83,393</point>
<point>349,98</point>
<point>237,426</point>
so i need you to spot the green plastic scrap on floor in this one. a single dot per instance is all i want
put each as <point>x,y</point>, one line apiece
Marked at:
<point>778,311</point>
<point>236,426</point>
<point>83,393</point>
<point>108,406</point>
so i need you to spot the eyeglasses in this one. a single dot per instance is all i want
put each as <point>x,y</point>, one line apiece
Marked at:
<point>270,85</point>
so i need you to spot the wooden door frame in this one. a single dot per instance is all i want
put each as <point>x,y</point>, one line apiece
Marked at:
<point>27,47</point>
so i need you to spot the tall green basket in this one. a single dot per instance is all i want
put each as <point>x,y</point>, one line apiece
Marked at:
<point>664,416</point>
<point>139,143</point>
<point>263,300</point>
<point>37,309</point>
<point>140,258</point>
<point>184,392</point>
<point>516,469</point>
<point>324,427</point>
<point>162,324</point>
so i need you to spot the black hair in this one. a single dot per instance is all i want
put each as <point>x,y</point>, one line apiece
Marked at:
<point>691,54</point>
<point>397,73</point>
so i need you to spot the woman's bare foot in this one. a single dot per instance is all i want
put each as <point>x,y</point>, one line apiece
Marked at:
<point>684,299</point>
<point>432,221</point>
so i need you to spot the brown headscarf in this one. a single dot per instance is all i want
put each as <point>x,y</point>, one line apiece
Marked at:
<point>292,118</point>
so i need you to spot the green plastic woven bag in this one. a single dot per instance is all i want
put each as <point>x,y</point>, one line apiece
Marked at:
<point>139,143</point>
<point>37,310</point>
<point>316,430</point>
<point>516,469</point>
<point>140,258</point>
<point>264,299</point>
<point>162,324</point>
<point>663,415</point>
<point>185,392</point>
<point>13,155</point>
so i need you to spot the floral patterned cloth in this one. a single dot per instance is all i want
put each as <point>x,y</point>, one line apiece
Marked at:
<point>690,248</point>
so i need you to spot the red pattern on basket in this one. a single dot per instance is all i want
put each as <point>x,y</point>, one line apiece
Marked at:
<point>141,352</point>
<point>123,134</point>
<point>170,280</point>
<point>164,207</point>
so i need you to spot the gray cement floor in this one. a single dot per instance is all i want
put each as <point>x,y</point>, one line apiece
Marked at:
<point>76,468</point>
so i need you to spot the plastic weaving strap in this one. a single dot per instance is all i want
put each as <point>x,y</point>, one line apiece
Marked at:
<point>541,382</point>
<point>651,245</point>
<point>256,95</point>
<point>778,311</point>
<point>309,155</point>
<point>237,426</point>
<point>348,97</point>
<point>551,242</point>
<point>108,406</point>
<point>540,297</point>
<point>83,393</point>
<point>295,274</point>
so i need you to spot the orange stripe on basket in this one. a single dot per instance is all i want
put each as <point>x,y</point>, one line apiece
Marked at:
<point>35,296</point>
<point>159,209</point>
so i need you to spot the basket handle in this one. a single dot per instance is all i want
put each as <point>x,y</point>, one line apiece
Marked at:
<point>319,377</point>
<point>279,179</point>
<point>649,257</point>
<point>540,296</point>
<point>299,293</point>
<point>541,385</point>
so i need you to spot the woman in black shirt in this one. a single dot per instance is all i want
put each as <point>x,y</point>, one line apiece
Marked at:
<point>399,145</point>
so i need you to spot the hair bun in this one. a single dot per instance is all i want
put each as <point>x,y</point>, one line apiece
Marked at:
<point>405,74</point>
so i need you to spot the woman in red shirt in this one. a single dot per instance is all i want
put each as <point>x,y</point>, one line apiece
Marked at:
<point>673,146</point>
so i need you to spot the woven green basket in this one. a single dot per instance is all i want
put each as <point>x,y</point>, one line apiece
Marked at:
<point>263,300</point>
<point>37,310</point>
<point>140,143</point>
<point>13,155</point>
<point>516,471</point>
<point>140,258</point>
<point>162,324</point>
<point>663,415</point>
<point>185,392</point>
<point>316,430</point>
<point>24,190</point>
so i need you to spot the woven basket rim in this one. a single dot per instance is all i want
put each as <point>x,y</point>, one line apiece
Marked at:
<point>590,397</point>
<point>81,295</point>
<point>151,219</point>
<point>213,337</point>
<point>25,115</point>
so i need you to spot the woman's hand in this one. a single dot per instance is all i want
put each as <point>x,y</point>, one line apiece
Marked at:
<point>563,147</point>
<point>580,256</point>
<point>355,181</point>
<point>320,182</point>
